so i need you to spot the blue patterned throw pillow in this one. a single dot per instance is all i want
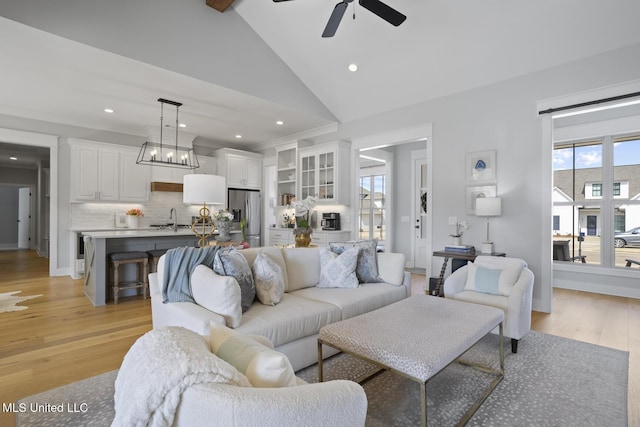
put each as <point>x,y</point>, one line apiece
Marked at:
<point>367,268</point>
<point>230,262</point>
<point>338,271</point>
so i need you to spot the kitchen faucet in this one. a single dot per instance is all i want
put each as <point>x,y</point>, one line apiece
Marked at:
<point>174,215</point>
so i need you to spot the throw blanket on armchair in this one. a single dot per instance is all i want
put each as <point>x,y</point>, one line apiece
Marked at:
<point>178,266</point>
<point>159,366</point>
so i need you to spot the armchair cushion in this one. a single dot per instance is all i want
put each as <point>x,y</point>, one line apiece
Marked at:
<point>263,366</point>
<point>493,281</point>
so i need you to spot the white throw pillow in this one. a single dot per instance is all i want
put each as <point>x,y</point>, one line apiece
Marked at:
<point>367,267</point>
<point>491,280</point>
<point>220,294</point>
<point>338,271</point>
<point>269,279</point>
<point>263,366</point>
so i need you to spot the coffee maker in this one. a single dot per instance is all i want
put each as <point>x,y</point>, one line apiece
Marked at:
<point>330,221</point>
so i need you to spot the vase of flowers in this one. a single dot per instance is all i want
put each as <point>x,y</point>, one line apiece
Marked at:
<point>303,228</point>
<point>222,221</point>
<point>457,236</point>
<point>133,217</point>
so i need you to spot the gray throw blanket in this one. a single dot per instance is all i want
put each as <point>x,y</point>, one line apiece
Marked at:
<point>178,266</point>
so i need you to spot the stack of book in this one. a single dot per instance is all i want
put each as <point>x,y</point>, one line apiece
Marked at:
<point>463,249</point>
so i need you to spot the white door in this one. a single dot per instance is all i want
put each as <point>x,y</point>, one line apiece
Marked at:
<point>420,210</point>
<point>24,215</point>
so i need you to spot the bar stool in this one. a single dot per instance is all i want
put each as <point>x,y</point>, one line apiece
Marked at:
<point>117,259</point>
<point>154,256</point>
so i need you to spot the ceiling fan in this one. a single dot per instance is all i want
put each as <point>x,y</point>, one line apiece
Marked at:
<point>384,11</point>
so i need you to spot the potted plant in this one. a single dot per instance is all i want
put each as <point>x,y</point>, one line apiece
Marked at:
<point>133,217</point>
<point>303,228</point>
<point>222,220</point>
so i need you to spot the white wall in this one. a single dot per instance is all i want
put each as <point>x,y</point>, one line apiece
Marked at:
<point>503,117</point>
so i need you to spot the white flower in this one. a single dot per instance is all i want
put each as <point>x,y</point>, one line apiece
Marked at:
<point>462,225</point>
<point>222,215</point>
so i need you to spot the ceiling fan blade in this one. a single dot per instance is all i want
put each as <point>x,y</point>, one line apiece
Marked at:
<point>334,19</point>
<point>385,12</point>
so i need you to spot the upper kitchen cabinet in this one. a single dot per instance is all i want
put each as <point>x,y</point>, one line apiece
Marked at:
<point>107,173</point>
<point>242,169</point>
<point>323,172</point>
<point>94,171</point>
<point>287,172</point>
<point>135,179</point>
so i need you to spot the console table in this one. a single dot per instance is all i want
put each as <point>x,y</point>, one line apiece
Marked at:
<point>455,255</point>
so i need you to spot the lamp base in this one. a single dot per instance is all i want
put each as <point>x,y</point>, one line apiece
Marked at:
<point>487,248</point>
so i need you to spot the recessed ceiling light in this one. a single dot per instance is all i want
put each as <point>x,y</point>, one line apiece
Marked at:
<point>108,110</point>
<point>353,68</point>
<point>13,158</point>
<point>279,122</point>
<point>238,136</point>
<point>182,125</point>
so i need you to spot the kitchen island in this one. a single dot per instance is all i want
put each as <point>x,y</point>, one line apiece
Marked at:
<point>98,244</point>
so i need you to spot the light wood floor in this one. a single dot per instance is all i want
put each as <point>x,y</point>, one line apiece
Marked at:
<point>62,338</point>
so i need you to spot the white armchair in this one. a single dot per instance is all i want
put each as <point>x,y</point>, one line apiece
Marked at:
<point>516,305</point>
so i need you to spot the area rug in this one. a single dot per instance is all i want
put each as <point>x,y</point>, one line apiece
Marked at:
<point>9,300</point>
<point>552,381</point>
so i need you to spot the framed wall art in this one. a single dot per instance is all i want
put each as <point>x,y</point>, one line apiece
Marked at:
<point>481,166</point>
<point>121,219</point>
<point>480,191</point>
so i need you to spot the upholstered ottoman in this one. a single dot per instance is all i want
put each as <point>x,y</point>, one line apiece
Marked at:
<point>416,337</point>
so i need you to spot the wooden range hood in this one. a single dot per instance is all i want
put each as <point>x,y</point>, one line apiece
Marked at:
<point>166,186</point>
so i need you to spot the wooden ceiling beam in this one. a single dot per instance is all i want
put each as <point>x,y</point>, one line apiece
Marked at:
<point>219,5</point>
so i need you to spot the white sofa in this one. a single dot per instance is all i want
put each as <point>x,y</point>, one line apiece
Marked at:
<point>293,324</point>
<point>516,305</point>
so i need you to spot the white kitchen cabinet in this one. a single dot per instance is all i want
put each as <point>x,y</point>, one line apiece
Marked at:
<point>323,172</point>
<point>281,236</point>
<point>323,238</point>
<point>242,169</point>
<point>135,179</point>
<point>94,171</point>
<point>287,172</point>
<point>168,174</point>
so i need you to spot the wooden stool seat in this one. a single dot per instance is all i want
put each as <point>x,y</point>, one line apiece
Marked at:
<point>117,259</point>
<point>155,255</point>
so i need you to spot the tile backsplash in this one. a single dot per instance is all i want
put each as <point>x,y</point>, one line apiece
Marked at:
<point>157,211</point>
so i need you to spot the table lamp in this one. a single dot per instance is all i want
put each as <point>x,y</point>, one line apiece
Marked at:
<point>203,189</point>
<point>488,206</point>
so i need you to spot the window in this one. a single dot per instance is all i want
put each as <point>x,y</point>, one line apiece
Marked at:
<point>596,199</point>
<point>372,207</point>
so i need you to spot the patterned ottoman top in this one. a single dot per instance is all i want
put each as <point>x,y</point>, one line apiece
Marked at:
<point>417,336</point>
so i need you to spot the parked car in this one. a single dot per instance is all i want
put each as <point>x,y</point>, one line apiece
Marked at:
<point>627,238</point>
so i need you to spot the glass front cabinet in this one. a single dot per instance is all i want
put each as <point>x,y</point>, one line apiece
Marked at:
<point>324,171</point>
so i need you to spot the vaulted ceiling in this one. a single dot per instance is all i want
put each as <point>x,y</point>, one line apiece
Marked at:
<point>240,71</point>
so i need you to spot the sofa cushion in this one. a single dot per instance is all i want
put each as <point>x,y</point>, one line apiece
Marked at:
<point>354,302</point>
<point>275,253</point>
<point>268,278</point>
<point>293,318</point>
<point>263,366</point>
<point>367,268</point>
<point>230,262</point>
<point>303,267</point>
<point>338,271</point>
<point>220,294</point>
<point>493,281</point>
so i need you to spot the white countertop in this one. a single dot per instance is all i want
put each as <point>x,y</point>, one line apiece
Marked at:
<point>119,233</point>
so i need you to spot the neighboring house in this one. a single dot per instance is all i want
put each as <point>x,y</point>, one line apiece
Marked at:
<point>584,186</point>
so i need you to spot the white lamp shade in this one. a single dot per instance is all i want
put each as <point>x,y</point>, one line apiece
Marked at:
<point>488,206</point>
<point>200,188</point>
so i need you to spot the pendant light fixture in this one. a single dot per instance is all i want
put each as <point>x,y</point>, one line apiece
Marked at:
<point>159,154</point>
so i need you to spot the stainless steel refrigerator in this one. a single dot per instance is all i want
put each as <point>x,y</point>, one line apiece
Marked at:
<point>246,204</point>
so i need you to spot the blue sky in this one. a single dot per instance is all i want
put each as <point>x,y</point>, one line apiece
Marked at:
<point>624,153</point>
